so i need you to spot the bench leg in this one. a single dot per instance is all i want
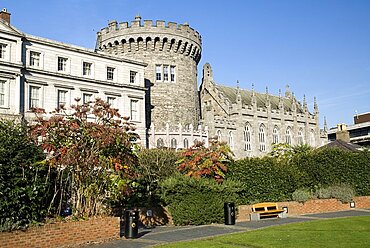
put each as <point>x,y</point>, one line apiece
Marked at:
<point>255,216</point>
<point>282,215</point>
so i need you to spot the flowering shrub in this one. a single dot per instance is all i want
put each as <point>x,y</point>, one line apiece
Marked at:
<point>199,161</point>
<point>90,152</point>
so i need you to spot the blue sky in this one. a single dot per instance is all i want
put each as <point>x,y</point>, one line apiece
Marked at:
<point>319,47</point>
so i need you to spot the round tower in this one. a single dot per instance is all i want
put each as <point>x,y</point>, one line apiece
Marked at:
<point>172,53</point>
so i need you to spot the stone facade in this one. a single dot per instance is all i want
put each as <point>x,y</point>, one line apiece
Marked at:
<point>172,53</point>
<point>251,122</point>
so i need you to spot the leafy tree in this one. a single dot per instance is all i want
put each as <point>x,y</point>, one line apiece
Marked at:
<point>90,149</point>
<point>199,161</point>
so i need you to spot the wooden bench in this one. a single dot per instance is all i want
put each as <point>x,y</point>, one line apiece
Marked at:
<point>266,210</point>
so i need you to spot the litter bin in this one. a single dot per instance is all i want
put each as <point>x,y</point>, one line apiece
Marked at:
<point>131,224</point>
<point>229,210</point>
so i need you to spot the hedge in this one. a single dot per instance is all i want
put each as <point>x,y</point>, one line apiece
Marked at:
<point>193,201</point>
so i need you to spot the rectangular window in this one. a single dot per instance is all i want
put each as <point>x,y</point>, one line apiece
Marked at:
<point>158,72</point>
<point>87,98</point>
<point>134,110</point>
<point>62,64</point>
<point>62,98</point>
<point>2,93</point>
<point>86,69</point>
<point>165,73</point>
<point>34,59</point>
<point>110,73</point>
<point>133,77</point>
<point>34,97</point>
<point>172,72</point>
<point>2,51</point>
<point>111,101</point>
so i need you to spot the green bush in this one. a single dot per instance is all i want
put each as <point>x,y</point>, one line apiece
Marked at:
<point>328,167</point>
<point>266,179</point>
<point>23,182</point>
<point>342,192</point>
<point>302,195</point>
<point>193,201</point>
<point>154,165</point>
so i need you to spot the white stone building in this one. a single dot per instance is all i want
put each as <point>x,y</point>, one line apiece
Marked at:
<point>41,73</point>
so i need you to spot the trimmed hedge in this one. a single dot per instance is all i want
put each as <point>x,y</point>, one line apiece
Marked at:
<point>333,166</point>
<point>193,201</point>
<point>266,179</point>
<point>273,179</point>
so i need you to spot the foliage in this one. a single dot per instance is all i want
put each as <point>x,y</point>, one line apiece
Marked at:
<point>302,195</point>
<point>266,179</point>
<point>89,148</point>
<point>199,161</point>
<point>23,182</point>
<point>194,201</point>
<point>342,192</point>
<point>326,167</point>
<point>154,166</point>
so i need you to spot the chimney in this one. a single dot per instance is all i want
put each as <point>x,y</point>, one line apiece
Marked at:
<point>342,133</point>
<point>4,15</point>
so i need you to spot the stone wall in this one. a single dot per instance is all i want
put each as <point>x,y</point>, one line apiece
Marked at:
<point>63,234</point>
<point>310,207</point>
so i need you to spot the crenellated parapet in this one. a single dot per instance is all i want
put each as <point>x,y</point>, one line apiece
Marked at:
<point>147,35</point>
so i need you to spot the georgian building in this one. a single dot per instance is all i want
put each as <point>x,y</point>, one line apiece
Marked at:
<point>41,73</point>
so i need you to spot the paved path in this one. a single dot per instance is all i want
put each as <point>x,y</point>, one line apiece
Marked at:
<point>162,235</point>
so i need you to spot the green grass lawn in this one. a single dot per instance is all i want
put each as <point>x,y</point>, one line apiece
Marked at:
<point>344,232</point>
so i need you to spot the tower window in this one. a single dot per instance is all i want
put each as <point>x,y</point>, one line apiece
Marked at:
<point>165,73</point>
<point>172,72</point>
<point>158,72</point>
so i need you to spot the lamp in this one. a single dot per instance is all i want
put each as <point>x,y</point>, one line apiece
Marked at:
<point>285,209</point>
<point>352,204</point>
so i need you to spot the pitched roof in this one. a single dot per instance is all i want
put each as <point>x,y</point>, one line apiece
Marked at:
<point>343,145</point>
<point>246,96</point>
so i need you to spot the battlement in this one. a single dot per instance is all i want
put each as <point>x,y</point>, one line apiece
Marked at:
<point>148,35</point>
<point>159,26</point>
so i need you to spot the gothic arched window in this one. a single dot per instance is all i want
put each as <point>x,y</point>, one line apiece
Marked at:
<point>262,138</point>
<point>312,138</point>
<point>248,137</point>
<point>173,143</point>
<point>275,135</point>
<point>231,140</point>
<point>219,135</point>
<point>288,136</point>
<point>186,143</point>
<point>160,143</point>
<point>300,137</point>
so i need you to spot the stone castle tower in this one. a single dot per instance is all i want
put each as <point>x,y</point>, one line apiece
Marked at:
<point>172,53</point>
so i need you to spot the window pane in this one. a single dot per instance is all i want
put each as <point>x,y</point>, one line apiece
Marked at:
<point>62,98</point>
<point>158,72</point>
<point>34,97</point>
<point>87,98</point>
<point>2,93</point>
<point>62,64</point>
<point>2,51</point>
<point>165,73</point>
<point>172,71</point>
<point>133,77</point>
<point>86,70</point>
<point>110,73</point>
<point>34,59</point>
<point>134,110</point>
